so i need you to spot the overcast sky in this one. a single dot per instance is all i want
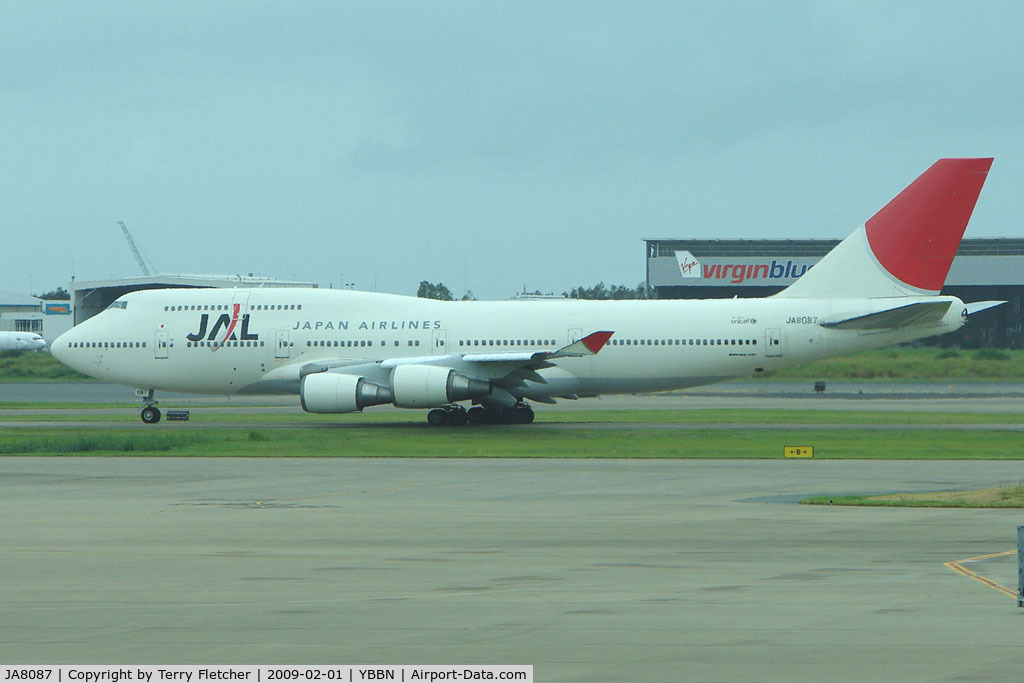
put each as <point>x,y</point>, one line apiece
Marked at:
<point>482,144</point>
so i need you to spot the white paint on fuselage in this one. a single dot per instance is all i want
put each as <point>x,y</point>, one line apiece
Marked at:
<point>21,341</point>
<point>651,349</point>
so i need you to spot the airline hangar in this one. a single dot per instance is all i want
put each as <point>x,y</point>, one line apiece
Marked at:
<point>984,269</point>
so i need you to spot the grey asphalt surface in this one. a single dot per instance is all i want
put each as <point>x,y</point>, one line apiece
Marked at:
<point>590,570</point>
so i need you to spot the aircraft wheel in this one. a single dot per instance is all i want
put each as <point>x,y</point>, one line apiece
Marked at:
<point>508,416</point>
<point>476,415</point>
<point>457,417</point>
<point>437,418</point>
<point>524,415</point>
<point>150,415</point>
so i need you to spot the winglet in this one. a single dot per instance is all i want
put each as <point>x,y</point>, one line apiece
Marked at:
<point>596,341</point>
<point>588,346</point>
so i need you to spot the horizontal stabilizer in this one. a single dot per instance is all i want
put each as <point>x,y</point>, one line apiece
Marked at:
<point>979,306</point>
<point>919,313</point>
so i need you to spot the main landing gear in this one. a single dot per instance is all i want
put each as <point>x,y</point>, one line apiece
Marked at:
<point>456,416</point>
<point>150,413</point>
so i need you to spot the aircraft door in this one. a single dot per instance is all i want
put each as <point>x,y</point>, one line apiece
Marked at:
<point>438,345</point>
<point>282,344</point>
<point>241,297</point>
<point>773,342</point>
<point>575,334</point>
<point>160,344</point>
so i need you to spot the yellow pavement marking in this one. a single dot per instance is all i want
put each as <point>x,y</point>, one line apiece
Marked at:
<point>958,567</point>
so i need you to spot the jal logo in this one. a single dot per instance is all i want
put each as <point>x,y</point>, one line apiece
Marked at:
<point>688,265</point>
<point>226,323</point>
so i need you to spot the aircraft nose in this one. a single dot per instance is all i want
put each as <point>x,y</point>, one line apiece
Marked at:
<point>59,347</point>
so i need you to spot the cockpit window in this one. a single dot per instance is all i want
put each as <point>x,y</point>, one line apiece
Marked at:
<point>118,304</point>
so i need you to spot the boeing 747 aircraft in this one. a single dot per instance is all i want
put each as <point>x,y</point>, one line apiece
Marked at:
<point>343,351</point>
<point>21,341</point>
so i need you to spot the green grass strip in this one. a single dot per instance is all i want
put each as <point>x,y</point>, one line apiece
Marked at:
<point>514,442</point>
<point>36,366</point>
<point>240,414</point>
<point>906,362</point>
<point>1000,497</point>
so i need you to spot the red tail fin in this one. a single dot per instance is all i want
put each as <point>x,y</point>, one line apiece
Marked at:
<point>905,249</point>
<point>916,235</point>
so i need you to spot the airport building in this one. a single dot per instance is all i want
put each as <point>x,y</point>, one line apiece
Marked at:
<point>89,298</point>
<point>984,269</point>
<point>24,313</point>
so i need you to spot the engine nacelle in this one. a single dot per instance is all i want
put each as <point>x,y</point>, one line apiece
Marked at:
<point>430,386</point>
<point>330,392</point>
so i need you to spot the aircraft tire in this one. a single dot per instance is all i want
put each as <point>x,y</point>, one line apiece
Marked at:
<point>150,415</point>
<point>524,415</point>
<point>476,415</point>
<point>437,418</point>
<point>457,417</point>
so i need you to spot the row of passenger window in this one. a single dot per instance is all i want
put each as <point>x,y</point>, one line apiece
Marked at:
<point>214,344</point>
<point>506,342</point>
<point>684,342</point>
<point>227,307</point>
<point>352,342</point>
<point>108,345</point>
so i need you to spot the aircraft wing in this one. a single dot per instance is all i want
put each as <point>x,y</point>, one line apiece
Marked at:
<point>588,346</point>
<point>511,367</point>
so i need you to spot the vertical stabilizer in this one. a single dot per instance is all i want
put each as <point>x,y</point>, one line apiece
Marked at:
<point>906,248</point>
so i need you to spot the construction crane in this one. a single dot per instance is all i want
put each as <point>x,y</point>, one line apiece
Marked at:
<point>135,250</point>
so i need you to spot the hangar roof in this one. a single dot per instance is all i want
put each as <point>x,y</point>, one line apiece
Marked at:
<point>15,299</point>
<point>985,246</point>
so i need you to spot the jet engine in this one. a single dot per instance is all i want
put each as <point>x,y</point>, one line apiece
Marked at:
<point>430,386</point>
<point>330,392</point>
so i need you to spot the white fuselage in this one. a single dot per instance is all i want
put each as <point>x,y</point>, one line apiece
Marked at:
<point>21,341</point>
<point>223,341</point>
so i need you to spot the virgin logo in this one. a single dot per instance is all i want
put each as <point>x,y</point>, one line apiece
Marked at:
<point>688,265</point>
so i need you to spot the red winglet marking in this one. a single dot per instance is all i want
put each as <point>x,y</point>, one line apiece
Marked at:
<point>596,341</point>
<point>916,235</point>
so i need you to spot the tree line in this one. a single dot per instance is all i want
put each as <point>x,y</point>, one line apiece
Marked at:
<point>430,290</point>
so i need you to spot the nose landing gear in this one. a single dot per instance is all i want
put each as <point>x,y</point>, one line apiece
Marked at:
<point>150,413</point>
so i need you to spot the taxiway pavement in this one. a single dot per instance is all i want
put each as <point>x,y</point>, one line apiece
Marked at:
<point>590,570</point>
